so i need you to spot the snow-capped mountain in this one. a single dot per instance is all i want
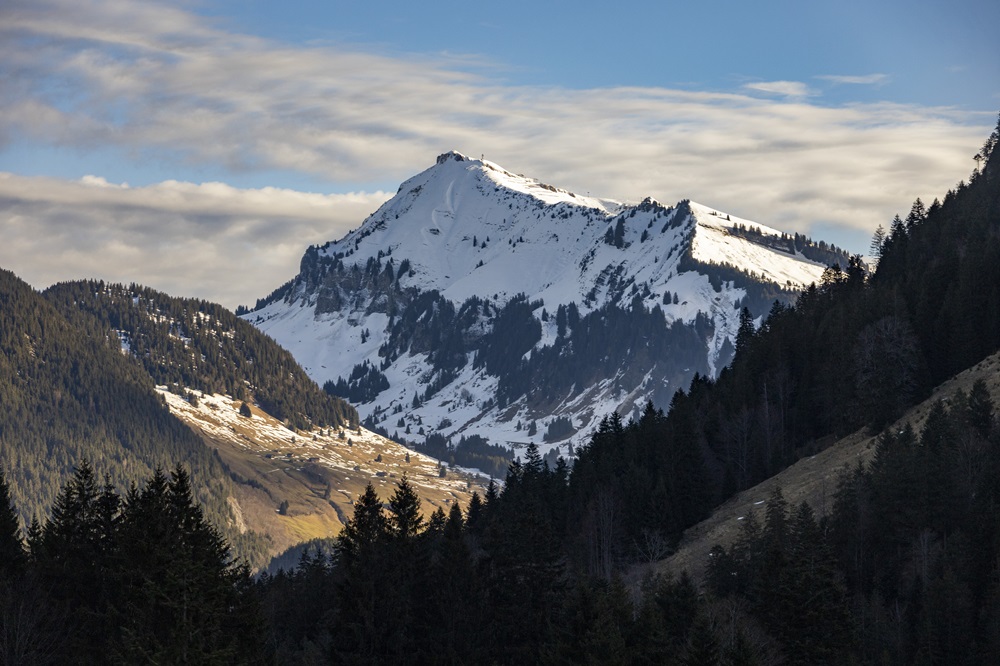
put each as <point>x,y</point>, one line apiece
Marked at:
<point>480,302</point>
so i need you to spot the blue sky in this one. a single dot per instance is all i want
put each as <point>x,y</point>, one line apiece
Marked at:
<point>927,52</point>
<point>179,143</point>
<point>923,52</point>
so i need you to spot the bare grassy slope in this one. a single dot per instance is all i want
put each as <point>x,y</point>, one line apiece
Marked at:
<point>811,479</point>
<point>318,473</point>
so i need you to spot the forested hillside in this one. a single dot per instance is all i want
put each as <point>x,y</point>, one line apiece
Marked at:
<point>188,343</point>
<point>851,353</point>
<point>77,380</point>
<point>66,396</point>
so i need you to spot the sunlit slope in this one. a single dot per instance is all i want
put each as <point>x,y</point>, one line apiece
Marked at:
<point>319,473</point>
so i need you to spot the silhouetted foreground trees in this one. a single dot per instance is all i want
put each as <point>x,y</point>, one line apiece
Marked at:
<point>497,583</point>
<point>903,570</point>
<point>136,579</point>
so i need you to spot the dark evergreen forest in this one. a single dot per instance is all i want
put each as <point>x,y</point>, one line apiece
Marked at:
<point>905,569</point>
<point>139,578</point>
<point>66,396</point>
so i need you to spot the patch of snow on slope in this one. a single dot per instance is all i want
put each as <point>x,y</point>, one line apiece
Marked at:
<point>218,417</point>
<point>714,244</point>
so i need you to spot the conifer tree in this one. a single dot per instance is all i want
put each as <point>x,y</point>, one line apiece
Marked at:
<point>980,406</point>
<point>703,647</point>
<point>33,540</point>
<point>690,494</point>
<point>436,524</point>
<point>359,624</point>
<point>878,241</point>
<point>367,529</point>
<point>812,597</point>
<point>71,531</point>
<point>405,519</point>
<point>12,556</point>
<point>454,596</point>
<point>184,603</point>
<point>71,558</point>
<point>475,512</point>
<point>745,333</point>
<point>492,493</point>
<point>456,523</point>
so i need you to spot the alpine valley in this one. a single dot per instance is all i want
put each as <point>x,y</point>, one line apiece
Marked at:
<point>480,306</point>
<point>472,302</point>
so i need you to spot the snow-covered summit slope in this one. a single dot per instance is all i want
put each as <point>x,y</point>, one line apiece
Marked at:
<point>714,244</point>
<point>468,223</point>
<point>427,292</point>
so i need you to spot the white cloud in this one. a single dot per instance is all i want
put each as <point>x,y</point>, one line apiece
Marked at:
<point>157,83</point>
<point>211,240</point>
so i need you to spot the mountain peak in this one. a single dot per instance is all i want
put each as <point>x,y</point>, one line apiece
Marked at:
<point>439,305</point>
<point>452,155</point>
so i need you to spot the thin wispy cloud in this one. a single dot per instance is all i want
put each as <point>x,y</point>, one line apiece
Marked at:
<point>866,80</point>
<point>156,83</point>
<point>781,88</point>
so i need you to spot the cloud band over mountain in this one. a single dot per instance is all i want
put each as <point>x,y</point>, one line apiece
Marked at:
<point>160,86</point>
